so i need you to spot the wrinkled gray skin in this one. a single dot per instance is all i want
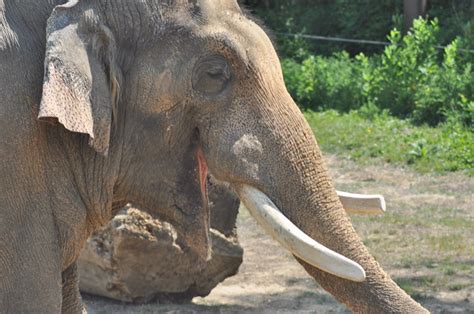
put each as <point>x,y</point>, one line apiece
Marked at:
<point>133,91</point>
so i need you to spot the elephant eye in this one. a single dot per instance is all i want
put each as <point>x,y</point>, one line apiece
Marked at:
<point>211,75</point>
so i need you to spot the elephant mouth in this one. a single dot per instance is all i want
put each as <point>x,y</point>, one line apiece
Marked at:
<point>203,171</point>
<point>195,228</point>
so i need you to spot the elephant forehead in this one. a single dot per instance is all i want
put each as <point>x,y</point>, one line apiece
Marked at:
<point>212,8</point>
<point>245,38</point>
<point>259,50</point>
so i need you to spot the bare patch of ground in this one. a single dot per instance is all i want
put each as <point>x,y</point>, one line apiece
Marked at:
<point>424,241</point>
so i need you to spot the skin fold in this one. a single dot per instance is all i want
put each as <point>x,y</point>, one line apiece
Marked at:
<point>112,101</point>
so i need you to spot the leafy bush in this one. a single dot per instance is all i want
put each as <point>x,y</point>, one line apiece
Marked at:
<point>322,83</point>
<point>447,93</point>
<point>455,22</point>
<point>370,20</point>
<point>410,79</point>
<point>339,18</point>
<point>403,66</point>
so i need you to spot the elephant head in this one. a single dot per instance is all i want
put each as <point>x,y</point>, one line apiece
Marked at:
<point>165,91</point>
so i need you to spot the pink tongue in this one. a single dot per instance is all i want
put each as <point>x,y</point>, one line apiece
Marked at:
<point>202,173</point>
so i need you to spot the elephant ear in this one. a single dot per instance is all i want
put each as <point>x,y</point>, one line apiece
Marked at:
<point>81,79</point>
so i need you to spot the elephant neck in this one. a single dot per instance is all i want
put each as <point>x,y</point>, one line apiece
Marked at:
<point>86,177</point>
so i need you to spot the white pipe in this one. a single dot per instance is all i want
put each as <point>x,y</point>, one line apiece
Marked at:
<point>295,240</point>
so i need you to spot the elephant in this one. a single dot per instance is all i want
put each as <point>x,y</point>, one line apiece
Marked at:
<point>106,102</point>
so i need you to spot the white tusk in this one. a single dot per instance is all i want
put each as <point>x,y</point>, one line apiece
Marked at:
<point>68,5</point>
<point>295,240</point>
<point>361,203</point>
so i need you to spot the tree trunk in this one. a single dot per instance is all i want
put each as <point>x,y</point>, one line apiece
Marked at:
<point>413,9</point>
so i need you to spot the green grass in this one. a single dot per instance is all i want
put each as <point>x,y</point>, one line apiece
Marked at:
<point>434,256</point>
<point>412,286</point>
<point>448,147</point>
<point>432,246</point>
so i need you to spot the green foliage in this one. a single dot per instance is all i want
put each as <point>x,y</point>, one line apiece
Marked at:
<point>447,92</point>
<point>446,148</point>
<point>370,20</point>
<point>456,21</point>
<point>410,79</point>
<point>403,66</point>
<point>339,18</point>
<point>320,83</point>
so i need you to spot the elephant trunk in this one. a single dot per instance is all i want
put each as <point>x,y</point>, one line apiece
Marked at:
<point>298,184</point>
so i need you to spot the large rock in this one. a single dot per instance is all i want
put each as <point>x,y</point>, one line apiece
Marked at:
<point>138,258</point>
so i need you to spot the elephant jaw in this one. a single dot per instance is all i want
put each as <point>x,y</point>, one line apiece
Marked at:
<point>191,215</point>
<point>295,240</point>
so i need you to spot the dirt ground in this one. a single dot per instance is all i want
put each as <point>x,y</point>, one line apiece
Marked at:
<point>271,281</point>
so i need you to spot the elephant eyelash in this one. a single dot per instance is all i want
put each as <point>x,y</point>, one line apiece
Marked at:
<point>221,76</point>
<point>211,75</point>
